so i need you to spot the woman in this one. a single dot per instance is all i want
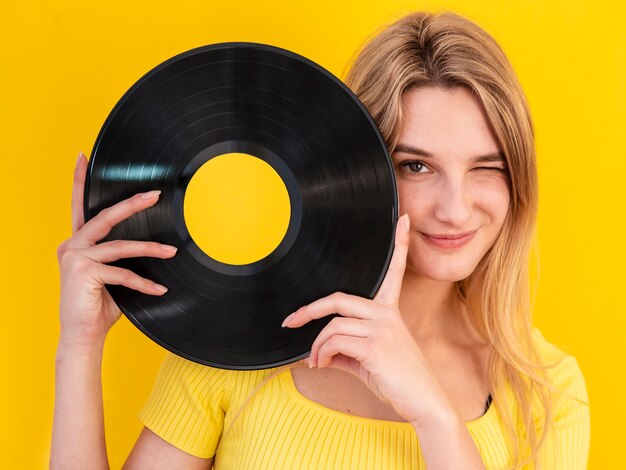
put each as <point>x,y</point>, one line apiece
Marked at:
<point>401,381</point>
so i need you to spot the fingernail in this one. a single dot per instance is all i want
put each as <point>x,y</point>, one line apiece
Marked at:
<point>80,155</point>
<point>151,194</point>
<point>160,288</point>
<point>169,248</point>
<point>406,222</point>
<point>287,320</point>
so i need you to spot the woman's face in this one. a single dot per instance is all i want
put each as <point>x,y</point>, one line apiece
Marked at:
<point>452,180</point>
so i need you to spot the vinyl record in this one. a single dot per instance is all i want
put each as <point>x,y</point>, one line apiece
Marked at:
<point>297,117</point>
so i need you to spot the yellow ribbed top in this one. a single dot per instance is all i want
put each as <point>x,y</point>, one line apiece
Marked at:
<point>276,427</point>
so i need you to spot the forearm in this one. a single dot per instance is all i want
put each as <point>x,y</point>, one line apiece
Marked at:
<point>446,444</point>
<point>78,429</point>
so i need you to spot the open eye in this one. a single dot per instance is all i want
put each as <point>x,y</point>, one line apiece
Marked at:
<point>414,166</point>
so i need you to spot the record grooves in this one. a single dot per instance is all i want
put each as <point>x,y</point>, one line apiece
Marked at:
<point>297,117</point>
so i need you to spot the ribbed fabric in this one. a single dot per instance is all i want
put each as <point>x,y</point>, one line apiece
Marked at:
<point>212,412</point>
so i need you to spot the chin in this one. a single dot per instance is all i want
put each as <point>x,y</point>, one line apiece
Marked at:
<point>449,277</point>
<point>445,272</point>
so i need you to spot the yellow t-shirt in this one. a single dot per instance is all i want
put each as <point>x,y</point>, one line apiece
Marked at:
<point>213,412</point>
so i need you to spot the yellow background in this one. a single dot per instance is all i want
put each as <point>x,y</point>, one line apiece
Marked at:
<point>65,64</point>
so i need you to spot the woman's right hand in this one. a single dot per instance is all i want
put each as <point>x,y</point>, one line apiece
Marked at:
<point>87,310</point>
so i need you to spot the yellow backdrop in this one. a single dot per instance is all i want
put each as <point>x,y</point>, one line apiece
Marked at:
<point>66,63</point>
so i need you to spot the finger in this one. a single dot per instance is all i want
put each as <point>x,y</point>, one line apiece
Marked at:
<point>339,302</point>
<point>118,249</point>
<point>123,277</point>
<point>389,291</point>
<point>100,226</point>
<point>78,218</point>
<point>339,326</point>
<point>350,346</point>
<point>344,363</point>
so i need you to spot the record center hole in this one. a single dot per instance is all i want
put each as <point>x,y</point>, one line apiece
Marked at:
<point>237,208</point>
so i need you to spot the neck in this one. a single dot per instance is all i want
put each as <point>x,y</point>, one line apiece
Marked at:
<point>431,309</point>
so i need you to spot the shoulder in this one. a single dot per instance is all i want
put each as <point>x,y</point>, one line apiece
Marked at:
<point>563,368</point>
<point>208,382</point>
<point>189,402</point>
<point>564,372</point>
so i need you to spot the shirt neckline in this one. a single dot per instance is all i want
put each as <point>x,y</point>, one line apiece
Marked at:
<point>286,380</point>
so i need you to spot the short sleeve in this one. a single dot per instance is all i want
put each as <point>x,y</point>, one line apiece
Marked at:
<point>567,446</point>
<point>572,425</point>
<point>186,405</point>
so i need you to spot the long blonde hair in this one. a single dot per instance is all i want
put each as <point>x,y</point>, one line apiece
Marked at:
<point>447,50</point>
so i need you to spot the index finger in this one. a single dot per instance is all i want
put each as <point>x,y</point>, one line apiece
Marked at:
<point>99,226</point>
<point>389,291</point>
<point>78,190</point>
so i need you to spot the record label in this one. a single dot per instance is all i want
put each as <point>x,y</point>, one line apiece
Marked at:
<point>236,208</point>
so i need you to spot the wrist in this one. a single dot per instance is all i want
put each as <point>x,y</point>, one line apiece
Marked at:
<point>444,418</point>
<point>73,345</point>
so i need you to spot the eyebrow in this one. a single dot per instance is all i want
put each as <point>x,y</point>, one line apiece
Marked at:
<point>490,157</point>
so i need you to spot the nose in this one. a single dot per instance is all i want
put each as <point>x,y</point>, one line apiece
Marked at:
<point>453,205</point>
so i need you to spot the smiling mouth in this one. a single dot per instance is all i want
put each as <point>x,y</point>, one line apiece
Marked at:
<point>448,241</point>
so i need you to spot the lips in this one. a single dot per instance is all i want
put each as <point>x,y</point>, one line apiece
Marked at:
<point>448,241</point>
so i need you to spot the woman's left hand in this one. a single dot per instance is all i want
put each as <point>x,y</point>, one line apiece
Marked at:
<point>371,341</point>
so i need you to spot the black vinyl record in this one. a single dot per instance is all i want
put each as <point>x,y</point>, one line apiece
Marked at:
<point>304,122</point>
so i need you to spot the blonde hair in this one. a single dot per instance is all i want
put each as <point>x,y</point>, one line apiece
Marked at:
<point>447,50</point>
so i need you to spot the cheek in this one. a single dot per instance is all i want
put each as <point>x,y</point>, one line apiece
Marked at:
<point>494,197</point>
<point>413,199</point>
